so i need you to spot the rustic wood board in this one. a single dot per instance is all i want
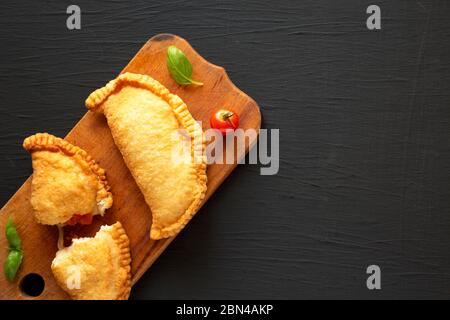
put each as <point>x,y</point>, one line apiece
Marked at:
<point>92,134</point>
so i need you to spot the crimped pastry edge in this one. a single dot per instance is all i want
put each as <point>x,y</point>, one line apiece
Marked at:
<point>120,237</point>
<point>49,142</point>
<point>94,103</point>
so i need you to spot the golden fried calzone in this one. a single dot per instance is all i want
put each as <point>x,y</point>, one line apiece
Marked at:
<point>162,145</point>
<point>67,186</point>
<point>96,268</point>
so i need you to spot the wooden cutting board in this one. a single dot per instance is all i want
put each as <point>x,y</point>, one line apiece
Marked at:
<point>92,134</point>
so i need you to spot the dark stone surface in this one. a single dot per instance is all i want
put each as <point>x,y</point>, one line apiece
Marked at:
<point>364,124</point>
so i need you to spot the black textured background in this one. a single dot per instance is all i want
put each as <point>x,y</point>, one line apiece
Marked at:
<point>364,124</point>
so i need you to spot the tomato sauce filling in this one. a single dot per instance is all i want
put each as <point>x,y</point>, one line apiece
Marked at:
<point>80,218</point>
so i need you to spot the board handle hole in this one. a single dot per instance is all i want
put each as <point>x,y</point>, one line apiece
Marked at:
<point>32,285</point>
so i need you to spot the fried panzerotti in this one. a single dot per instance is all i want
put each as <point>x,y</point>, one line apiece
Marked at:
<point>162,145</point>
<point>67,184</point>
<point>96,268</point>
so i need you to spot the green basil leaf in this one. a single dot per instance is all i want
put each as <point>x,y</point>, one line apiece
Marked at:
<point>12,264</point>
<point>179,67</point>
<point>15,256</point>
<point>9,223</point>
<point>12,235</point>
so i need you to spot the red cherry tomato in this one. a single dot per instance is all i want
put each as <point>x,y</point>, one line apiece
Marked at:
<point>225,120</point>
<point>80,218</point>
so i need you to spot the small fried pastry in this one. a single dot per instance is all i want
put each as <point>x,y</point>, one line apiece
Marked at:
<point>96,268</point>
<point>68,186</point>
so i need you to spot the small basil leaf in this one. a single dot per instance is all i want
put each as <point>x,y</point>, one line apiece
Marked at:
<point>12,264</point>
<point>15,256</point>
<point>179,67</point>
<point>12,235</point>
<point>9,223</point>
<point>179,62</point>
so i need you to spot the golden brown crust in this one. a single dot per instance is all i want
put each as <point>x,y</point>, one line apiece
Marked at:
<point>103,263</point>
<point>123,243</point>
<point>48,142</point>
<point>94,103</point>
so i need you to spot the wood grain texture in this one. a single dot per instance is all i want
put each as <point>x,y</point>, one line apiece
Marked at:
<point>93,135</point>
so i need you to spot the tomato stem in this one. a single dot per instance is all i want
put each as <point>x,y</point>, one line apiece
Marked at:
<point>226,115</point>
